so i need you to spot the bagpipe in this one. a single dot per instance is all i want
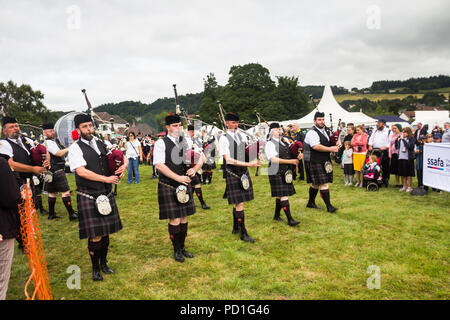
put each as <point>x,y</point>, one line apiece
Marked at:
<point>253,144</point>
<point>66,134</point>
<point>333,138</point>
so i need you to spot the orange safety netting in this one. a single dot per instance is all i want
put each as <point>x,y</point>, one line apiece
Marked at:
<point>32,242</point>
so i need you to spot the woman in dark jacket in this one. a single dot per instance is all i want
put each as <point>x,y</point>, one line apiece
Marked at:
<point>405,144</point>
<point>9,222</point>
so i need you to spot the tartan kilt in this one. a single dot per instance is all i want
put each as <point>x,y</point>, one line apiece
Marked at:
<point>170,208</point>
<point>195,180</point>
<point>316,174</point>
<point>234,192</point>
<point>279,187</point>
<point>92,224</point>
<point>59,183</point>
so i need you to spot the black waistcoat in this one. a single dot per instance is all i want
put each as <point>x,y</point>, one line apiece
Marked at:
<point>283,153</point>
<point>317,156</point>
<point>237,152</point>
<point>21,156</point>
<point>175,161</point>
<point>56,163</point>
<point>95,163</point>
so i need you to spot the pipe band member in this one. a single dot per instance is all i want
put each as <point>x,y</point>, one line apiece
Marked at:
<point>87,158</point>
<point>57,167</point>
<point>239,188</point>
<point>175,196</point>
<point>280,172</point>
<point>319,171</point>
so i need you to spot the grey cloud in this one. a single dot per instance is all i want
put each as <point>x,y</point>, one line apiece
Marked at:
<point>138,49</point>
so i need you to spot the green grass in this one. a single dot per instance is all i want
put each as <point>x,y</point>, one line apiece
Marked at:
<point>325,257</point>
<point>389,96</point>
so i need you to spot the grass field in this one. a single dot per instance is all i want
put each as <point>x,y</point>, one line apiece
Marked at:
<point>325,257</point>
<point>387,96</point>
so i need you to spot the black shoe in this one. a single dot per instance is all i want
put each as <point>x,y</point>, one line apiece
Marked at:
<point>331,209</point>
<point>96,275</point>
<point>312,205</point>
<point>43,211</point>
<point>178,256</point>
<point>293,222</point>
<point>205,206</point>
<point>73,216</point>
<point>246,238</point>
<point>106,269</point>
<point>54,216</point>
<point>187,254</point>
<point>277,217</point>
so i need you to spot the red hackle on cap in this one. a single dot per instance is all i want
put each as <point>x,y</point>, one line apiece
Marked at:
<point>75,135</point>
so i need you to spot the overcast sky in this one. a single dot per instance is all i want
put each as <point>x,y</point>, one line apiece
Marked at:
<point>135,50</point>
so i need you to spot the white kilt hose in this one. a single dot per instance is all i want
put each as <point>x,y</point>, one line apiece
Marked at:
<point>316,174</point>
<point>59,183</point>
<point>279,187</point>
<point>170,208</point>
<point>234,191</point>
<point>93,224</point>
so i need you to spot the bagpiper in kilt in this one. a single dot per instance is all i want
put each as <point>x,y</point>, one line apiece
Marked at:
<point>175,196</point>
<point>98,216</point>
<point>239,188</point>
<point>194,155</point>
<point>281,173</point>
<point>318,167</point>
<point>17,149</point>
<point>209,150</point>
<point>57,168</point>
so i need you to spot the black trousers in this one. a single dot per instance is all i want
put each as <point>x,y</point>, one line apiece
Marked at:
<point>385,167</point>
<point>419,177</point>
<point>301,170</point>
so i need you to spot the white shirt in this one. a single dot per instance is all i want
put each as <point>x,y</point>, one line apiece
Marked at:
<point>5,147</point>
<point>191,143</point>
<point>133,149</point>
<point>159,152</point>
<point>312,137</point>
<point>75,155</point>
<point>108,143</point>
<point>52,147</point>
<point>224,144</point>
<point>380,138</point>
<point>271,150</point>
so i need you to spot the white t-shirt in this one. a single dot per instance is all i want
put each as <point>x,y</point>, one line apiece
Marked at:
<point>133,149</point>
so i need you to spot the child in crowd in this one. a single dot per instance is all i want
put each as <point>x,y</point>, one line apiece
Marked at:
<point>347,161</point>
<point>372,169</point>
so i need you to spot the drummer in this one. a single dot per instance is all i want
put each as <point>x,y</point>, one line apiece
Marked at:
<point>196,180</point>
<point>59,182</point>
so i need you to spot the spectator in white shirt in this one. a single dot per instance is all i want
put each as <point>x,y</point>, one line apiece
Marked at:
<point>134,155</point>
<point>380,139</point>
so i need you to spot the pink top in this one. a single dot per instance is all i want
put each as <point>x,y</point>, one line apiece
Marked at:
<point>392,149</point>
<point>360,140</point>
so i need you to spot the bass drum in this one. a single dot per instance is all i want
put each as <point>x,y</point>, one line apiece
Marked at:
<point>64,127</point>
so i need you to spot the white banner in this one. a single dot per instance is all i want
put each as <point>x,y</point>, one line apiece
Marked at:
<point>436,165</point>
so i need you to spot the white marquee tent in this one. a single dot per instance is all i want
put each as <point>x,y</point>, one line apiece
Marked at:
<point>330,106</point>
<point>431,118</point>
